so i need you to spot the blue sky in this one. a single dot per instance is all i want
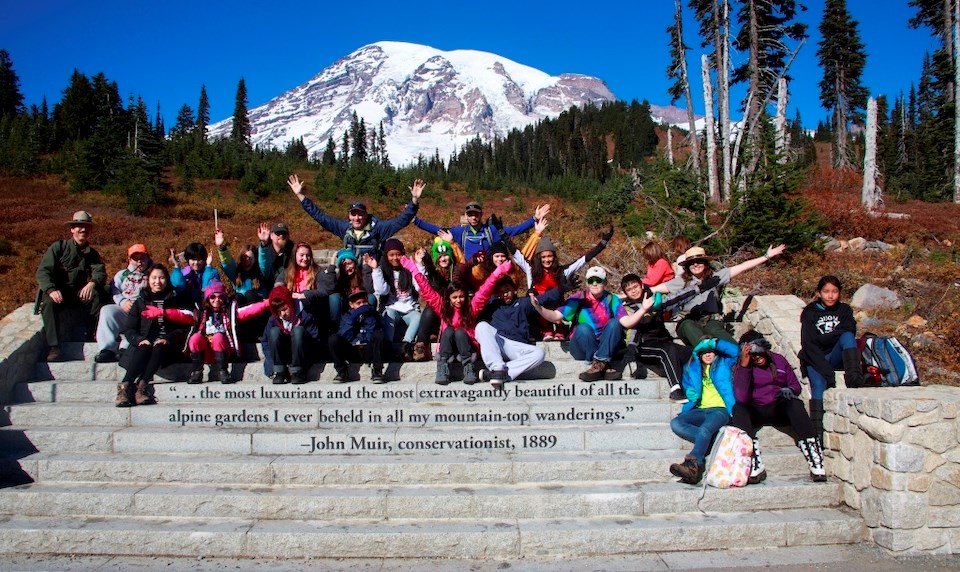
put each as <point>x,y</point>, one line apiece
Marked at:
<point>165,50</point>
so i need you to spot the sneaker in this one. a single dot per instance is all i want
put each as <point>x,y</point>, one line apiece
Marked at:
<point>376,375</point>
<point>498,378</point>
<point>640,371</point>
<point>612,374</point>
<point>343,376</point>
<point>548,337</point>
<point>105,356</point>
<point>297,378</point>
<point>559,337</point>
<point>677,394</point>
<point>54,354</point>
<point>280,378</point>
<point>595,372</point>
<point>690,471</point>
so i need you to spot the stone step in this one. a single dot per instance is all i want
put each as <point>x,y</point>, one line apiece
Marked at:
<point>404,391</point>
<point>448,538</point>
<point>340,415</point>
<point>378,470</point>
<point>378,502</point>
<point>177,439</point>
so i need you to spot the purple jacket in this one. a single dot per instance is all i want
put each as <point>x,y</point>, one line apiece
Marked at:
<point>756,385</point>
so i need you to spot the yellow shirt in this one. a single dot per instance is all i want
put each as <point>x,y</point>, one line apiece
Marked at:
<point>709,396</point>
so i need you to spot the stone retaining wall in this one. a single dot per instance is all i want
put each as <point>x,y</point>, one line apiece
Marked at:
<point>20,344</point>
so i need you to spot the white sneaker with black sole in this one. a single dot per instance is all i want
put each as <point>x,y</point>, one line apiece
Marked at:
<point>676,394</point>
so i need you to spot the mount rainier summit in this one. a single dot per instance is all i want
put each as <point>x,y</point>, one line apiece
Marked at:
<point>428,100</point>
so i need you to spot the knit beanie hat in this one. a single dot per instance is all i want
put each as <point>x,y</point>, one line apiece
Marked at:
<point>281,293</point>
<point>215,287</point>
<point>545,245</point>
<point>393,244</point>
<point>500,247</point>
<point>346,254</point>
<point>440,247</point>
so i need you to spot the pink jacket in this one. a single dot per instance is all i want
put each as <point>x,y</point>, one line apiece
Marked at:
<point>435,300</point>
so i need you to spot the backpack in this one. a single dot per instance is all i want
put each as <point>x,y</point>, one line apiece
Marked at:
<point>732,457</point>
<point>886,362</point>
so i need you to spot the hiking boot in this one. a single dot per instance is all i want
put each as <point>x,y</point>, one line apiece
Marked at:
<point>196,374</point>
<point>407,349</point>
<point>54,354</point>
<point>106,356</point>
<point>690,471</point>
<point>421,351</point>
<point>297,378</point>
<point>223,365</point>
<point>612,374</point>
<point>280,378</point>
<point>469,373</point>
<point>145,394</point>
<point>125,397</point>
<point>677,394</point>
<point>813,453</point>
<point>595,372</point>
<point>443,372</point>
<point>640,371</point>
<point>376,374</point>
<point>758,472</point>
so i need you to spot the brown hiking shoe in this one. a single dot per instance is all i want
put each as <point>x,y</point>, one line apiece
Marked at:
<point>125,395</point>
<point>54,354</point>
<point>595,372</point>
<point>144,394</point>
<point>690,471</point>
<point>421,351</point>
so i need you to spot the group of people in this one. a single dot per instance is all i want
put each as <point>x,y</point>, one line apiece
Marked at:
<point>484,300</point>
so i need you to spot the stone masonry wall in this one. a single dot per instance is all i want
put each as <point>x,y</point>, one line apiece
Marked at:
<point>896,450</point>
<point>20,345</point>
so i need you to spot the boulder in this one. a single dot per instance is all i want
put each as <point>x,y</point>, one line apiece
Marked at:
<point>858,243</point>
<point>872,297</point>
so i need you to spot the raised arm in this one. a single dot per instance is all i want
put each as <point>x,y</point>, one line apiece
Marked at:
<point>430,296</point>
<point>754,262</point>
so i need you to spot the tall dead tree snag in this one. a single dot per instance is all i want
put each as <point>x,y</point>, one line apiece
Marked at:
<point>709,128</point>
<point>870,196</point>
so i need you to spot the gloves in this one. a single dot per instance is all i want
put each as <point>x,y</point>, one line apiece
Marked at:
<point>496,222</point>
<point>709,284</point>
<point>786,393</point>
<point>151,312</point>
<point>605,237</point>
<point>569,283</point>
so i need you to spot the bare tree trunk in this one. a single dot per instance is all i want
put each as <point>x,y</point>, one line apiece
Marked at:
<point>709,128</point>
<point>669,145</point>
<point>723,92</point>
<point>691,118</point>
<point>948,46</point>
<point>870,197</point>
<point>780,123</point>
<point>956,109</point>
<point>842,160</point>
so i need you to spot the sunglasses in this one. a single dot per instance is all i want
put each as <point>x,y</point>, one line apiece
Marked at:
<point>593,281</point>
<point>216,297</point>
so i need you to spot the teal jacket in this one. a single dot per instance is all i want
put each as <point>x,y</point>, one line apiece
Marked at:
<point>721,373</point>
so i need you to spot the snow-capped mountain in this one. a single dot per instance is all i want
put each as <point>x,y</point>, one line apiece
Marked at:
<point>427,99</point>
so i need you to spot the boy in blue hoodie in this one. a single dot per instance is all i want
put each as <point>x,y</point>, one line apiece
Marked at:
<point>359,339</point>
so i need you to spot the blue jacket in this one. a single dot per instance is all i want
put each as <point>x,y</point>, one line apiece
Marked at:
<point>513,321</point>
<point>374,234</point>
<point>473,240</point>
<point>185,283</point>
<point>358,324</point>
<point>721,373</point>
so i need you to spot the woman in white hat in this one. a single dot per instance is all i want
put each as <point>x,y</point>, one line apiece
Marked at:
<point>701,313</point>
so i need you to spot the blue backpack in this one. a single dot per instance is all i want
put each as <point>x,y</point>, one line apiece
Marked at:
<point>886,362</point>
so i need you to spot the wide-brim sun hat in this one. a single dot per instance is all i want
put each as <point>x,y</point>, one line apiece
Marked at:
<point>696,254</point>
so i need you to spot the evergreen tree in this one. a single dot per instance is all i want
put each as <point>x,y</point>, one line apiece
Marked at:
<point>11,100</point>
<point>185,124</point>
<point>382,145</point>
<point>842,56</point>
<point>203,112</point>
<point>75,116</point>
<point>329,153</point>
<point>240,133</point>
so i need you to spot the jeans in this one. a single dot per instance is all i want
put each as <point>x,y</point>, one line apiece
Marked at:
<point>288,349</point>
<point>390,319</point>
<point>700,426</point>
<point>819,384</point>
<point>585,346</point>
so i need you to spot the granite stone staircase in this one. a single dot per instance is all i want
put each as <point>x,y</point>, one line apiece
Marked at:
<point>408,469</point>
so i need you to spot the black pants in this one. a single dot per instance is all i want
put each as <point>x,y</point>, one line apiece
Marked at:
<point>143,361</point>
<point>454,342</point>
<point>429,324</point>
<point>750,417</point>
<point>670,356</point>
<point>343,352</point>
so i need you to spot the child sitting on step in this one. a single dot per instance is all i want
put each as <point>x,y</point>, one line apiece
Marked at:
<point>457,320</point>
<point>291,335</point>
<point>359,339</point>
<point>214,336</point>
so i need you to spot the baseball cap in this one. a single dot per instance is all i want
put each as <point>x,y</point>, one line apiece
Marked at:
<point>280,228</point>
<point>358,206</point>
<point>597,272</point>
<point>137,248</point>
<point>473,206</point>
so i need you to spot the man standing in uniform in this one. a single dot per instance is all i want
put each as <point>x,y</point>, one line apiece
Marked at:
<point>71,275</point>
